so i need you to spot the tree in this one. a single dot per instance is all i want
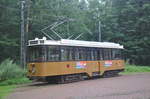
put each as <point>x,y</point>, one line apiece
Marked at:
<point>122,21</point>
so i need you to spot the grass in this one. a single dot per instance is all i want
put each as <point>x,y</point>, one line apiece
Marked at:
<point>11,74</point>
<point>7,86</point>
<point>135,69</point>
<point>15,81</point>
<point>5,90</point>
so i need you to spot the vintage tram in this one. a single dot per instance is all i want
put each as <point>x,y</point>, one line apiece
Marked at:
<point>72,60</point>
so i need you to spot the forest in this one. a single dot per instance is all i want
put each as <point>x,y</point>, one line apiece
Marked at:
<point>122,21</point>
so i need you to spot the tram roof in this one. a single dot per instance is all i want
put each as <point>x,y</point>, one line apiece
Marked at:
<point>67,42</point>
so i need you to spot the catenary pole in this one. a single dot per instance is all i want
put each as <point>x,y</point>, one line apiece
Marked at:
<point>27,19</point>
<point>22,49</point>
<point>99,32</point>
<point>27,9</point>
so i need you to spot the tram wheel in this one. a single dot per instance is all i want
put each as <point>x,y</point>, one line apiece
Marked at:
<point>108,74</point>
<point>70,78</point>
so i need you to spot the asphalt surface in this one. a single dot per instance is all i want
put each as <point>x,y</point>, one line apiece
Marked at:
<point>135,86</point>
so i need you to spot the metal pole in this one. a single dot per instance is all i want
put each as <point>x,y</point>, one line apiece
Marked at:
<point>99,31</point>
<point>22,50</point>
<point>26,29</point>
<point>27,19</point>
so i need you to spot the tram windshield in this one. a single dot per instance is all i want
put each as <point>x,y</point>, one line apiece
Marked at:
<point>43,53</point>
<point>37,53</point>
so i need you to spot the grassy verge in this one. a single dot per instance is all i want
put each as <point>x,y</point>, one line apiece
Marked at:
<point>7,86</point>
<point>15,81</point>
<point>135,69</point>
<point>5,90</point>
<point>10,75</point>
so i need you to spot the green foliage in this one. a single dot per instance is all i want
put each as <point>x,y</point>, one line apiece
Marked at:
<point>135,24</point>
<point>10,70</point>
<point>9,29</point>
<point>135,69</point>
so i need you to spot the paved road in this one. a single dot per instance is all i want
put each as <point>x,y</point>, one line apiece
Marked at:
<point>135,86</point>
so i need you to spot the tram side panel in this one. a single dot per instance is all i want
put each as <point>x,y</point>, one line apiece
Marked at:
<point>71,67</point>
<point>108,65</point>
<point>62,68</point>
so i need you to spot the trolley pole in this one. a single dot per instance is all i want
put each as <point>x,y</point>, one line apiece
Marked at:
<point>23,44</point>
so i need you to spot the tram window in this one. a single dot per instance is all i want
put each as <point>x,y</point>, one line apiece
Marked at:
<point>64,54</point>
<point>42,54</point>
<point>88,54</point>
<point>53,53</point>
<point>76,54</point>
<point>95,54</point>
<point>122,54</point>
<point>82,54</point>
<point>101,54</point>
<point>116,54</point>
<point>70,53</point>
<point>37,54</point>
<point>109,54</point>
<point>92,54</point>
<point>105,54</point>
<point>79,53</point>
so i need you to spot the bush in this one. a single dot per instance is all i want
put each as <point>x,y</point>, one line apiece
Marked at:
<point>10,70</point>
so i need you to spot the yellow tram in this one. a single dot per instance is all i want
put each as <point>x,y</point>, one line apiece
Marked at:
<point>72,60</point>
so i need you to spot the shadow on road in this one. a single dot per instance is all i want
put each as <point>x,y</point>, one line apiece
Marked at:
<point>41,84</point>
